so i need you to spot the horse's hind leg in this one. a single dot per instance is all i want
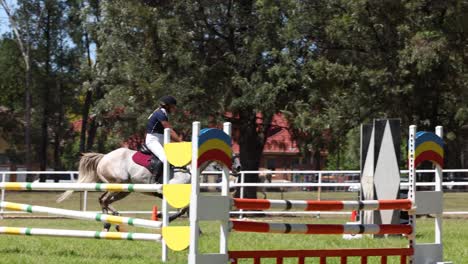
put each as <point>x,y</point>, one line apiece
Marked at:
<point>106,199</point>
<point>104,208</point>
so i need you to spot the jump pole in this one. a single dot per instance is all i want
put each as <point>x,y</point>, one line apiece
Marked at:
<point>96,187</point>
<point>313,205</point>
<point>105,218</point>
<point>78,233</point>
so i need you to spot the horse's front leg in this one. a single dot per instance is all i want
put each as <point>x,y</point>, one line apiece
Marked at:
<point>172,217</point>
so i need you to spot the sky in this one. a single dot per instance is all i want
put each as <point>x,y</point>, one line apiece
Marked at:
<point>4,24</point>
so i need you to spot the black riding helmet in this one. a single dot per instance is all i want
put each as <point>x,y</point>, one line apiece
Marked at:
<point>168,100</point>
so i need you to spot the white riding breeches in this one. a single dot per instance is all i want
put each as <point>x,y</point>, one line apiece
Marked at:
<point>155,143</point>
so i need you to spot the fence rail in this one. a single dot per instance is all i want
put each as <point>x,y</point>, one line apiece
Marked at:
<point>316,179</point>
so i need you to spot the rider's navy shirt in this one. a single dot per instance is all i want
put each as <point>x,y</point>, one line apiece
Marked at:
<point>154,124</point>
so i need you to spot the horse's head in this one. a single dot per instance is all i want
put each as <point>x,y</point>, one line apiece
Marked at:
<point>236,165</point>
<point>181,175</point>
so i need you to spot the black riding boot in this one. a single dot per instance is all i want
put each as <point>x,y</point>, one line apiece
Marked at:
<point>157,171</point>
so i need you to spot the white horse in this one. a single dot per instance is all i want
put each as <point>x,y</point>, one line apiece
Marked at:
<point>118,167</point>
<point>235,173</point>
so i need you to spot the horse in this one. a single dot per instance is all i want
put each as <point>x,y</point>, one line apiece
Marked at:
<point>119,166</point>
<point>235,173</point>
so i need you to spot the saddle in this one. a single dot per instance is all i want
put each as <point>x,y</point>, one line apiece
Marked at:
<point>147,159</point>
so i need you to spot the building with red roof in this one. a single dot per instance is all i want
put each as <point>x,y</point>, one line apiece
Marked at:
<point>281,151</point>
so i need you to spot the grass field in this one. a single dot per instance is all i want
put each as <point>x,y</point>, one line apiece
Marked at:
<point>19,249</point>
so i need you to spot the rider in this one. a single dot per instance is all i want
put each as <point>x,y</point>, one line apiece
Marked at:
<point>157,122</point>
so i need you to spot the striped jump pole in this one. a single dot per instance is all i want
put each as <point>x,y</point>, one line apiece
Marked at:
<point>82,215</point>
<point>98,187</point>
<point>319,229</point>
<point>78,233</point>
<point>312,205</point>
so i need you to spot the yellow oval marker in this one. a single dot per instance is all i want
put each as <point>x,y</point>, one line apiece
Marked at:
<point>178,154</point>
<point>176,238</point>
<point>177,195</point>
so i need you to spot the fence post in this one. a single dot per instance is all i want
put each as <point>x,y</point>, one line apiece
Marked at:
<point>319,190</point>
<point>241,194</point>
<point>439,179</point>
<point>3,196</point>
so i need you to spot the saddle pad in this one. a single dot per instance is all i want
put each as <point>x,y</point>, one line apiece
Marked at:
<point>141,159</point>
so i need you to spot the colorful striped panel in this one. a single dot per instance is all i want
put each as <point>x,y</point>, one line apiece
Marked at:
<point>210,133</point>
<point>424,136</point>
<point>214,145</point>
<point>429,146</point>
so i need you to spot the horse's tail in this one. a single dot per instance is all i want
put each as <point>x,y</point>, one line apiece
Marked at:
<point>87,171</point>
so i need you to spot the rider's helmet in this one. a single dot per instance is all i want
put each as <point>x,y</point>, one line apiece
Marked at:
<point>168,100</point>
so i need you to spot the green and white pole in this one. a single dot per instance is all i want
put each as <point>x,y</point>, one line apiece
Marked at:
<point>97,187</point>
<point>82,215</point>
<point>78,233</point>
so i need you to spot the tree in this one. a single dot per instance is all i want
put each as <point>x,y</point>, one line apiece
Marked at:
<point>12,76</point>
<point>23,38</point>
<point>382,59</point>
<point>229,57</point>
<point>85,18</point>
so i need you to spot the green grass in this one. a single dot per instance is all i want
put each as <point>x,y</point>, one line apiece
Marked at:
<point>20,249</point>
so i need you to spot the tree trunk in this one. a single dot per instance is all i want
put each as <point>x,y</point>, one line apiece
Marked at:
<point>101,141</point>
<point>88,102</point>
<point>251,149</point>
<point>27,127</point>
<point>59,128</point>
<point>46,102</point>
<point>91,134</point>
<point>317,159</point>
<point>93,126</point>
<point>84,121</point>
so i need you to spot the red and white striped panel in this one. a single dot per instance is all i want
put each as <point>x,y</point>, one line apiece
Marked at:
<point>319,229</point>
<point>313,205</point>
